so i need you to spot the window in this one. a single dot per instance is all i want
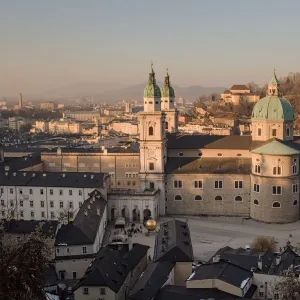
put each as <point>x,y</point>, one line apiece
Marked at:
<point>180,154</point>
<point>273,132</point>
<point>259,131</point>
<point>74,275</point>
<point>43,214</point>
<point>80,192</point>
<point>20,191</point>
<point>167,125</point>
<point>11,191</point>
<point>276,190</point>
<point>238,184</point>
<point>288,131</point>
<point>3,213</point>
<point>218,184</point>
<point>276,296</point>
<point>151,185</point>
<point>52,215</point>
<point>71,215</point>
<point>294,169</point>
<point>12,214</point>
<point>32,214</point>
<point>238,198</point>
<point>276,204</point>
<point>41,191</point>
<point>51,204</point>
<point>256,202</point>
<point>177,184</point>
<point>85,291</point>
<point>11,202</point>
<point>70,204</point>
<point>178,198</point>
<point>256,188</point>
<point>22,214</point>
<point>61,204</point>
<point>218,198</point>
<point>128,182</point>
<point>84,250</point>
<point>257,169</point>
<point>31,203</point>
<point>30,191</point>
<point>102,291</point>
<point>295,202</point>
<point>295,188</point>
<point>151,166</point>
<point>198,198</point>
<point>2,190</point>
<point>261,294</point>
<point>42,204</point>
<point>198,184</point>
<point>151,130</point>
<point>51,192</point>
<point>68,250</point>
<point>2,203</point>
<point>70,192</point>
<point>60,192</point>
<point>21,203</point>
<point>277,170</point>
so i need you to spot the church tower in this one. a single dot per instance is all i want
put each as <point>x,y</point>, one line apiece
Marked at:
<point>153,151</point>
<point>273,115</point>
<point>167,105</point>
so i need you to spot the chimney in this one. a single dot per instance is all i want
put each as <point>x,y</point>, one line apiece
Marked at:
<point>216,258</point>
<point>85,212</point>
<point>278,260</point>
<point>259,262</point>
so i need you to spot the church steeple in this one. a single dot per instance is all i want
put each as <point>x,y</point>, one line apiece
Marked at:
<point>152,79</point>
<point>274,86</point>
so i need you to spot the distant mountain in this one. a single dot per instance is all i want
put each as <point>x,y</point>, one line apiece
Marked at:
<point>112,92</point>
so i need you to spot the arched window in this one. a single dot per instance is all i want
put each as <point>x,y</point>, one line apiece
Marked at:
<point>218,198</point>
<point>295,202</point>
<point>276,204</point>
<point>150,130</point>
<point>256,202</point>
<point>198,198</point>
<point>238,198</point>
<point>178,198</point>
<point>167,125</point>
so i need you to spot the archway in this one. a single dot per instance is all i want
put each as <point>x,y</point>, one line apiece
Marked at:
<point>114,213</point>
<point>125,213</point>
<point>136,216</point>
<point>147,214</point>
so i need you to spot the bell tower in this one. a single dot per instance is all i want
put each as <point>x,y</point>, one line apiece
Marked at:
<point>153,151</point>
<point>167,105</point>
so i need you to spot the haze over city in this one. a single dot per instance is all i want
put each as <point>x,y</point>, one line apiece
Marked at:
<point>50,44</point>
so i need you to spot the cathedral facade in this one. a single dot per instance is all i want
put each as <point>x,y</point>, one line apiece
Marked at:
<point>169,173</point>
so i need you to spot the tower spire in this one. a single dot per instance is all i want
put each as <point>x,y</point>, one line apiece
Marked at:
<point>167,78</point>
<point>274,85</point>
<point>152,79</point>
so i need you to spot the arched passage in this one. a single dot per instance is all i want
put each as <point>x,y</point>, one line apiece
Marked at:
<point>147,213</point>
<point>114,213</point>
<point>125,213</point>
<point>136,216</point>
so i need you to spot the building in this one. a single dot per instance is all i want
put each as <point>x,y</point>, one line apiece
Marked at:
<point>42,126</point>
<point>65,126</point>
<point>20,101</point>
<point>77,242</point>
<point>15,123</point>
<point>117,111</point>
<point>239,93</point>
<point>124,127</point>
<point>112,273</point>
<point>82,115</point>
<point>48,106</point>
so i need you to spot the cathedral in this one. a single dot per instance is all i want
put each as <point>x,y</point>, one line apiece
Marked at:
<point>168,173</point>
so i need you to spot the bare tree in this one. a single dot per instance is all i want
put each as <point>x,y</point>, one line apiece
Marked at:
<point>288,288</point>
<point>263,243</point>
<point>22,266</point>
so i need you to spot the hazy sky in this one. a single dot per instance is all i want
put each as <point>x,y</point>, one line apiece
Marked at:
<point>49,44</point>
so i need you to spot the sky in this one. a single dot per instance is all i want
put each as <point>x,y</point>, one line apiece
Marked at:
<point>50,44</point>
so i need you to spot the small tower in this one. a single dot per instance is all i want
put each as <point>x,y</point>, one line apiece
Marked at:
<point>167,105</point>
<point>274,86</point>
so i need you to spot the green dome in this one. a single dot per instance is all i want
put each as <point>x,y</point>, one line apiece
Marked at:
<point>273,108</point>
<point>152,89</point>
<point>167,90</point>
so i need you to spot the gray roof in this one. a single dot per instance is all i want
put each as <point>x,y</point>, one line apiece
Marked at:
<point>173,242</point>
<point>151,280</point>
<point>53,179</point>
<point>224,271</point>
<point>19,163</point>
<point>208,165</point>
<point>83,230</point>
<point>50,276</point>
<point>111,267</point>
<point>29,226</point>
<point>182,293</point>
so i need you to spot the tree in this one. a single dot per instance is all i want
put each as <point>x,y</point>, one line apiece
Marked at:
<point>263,243</point>
<point>22,266</point>
<point>288,288</point>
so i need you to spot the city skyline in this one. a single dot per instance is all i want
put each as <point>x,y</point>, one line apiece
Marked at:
<point>217,43</point>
